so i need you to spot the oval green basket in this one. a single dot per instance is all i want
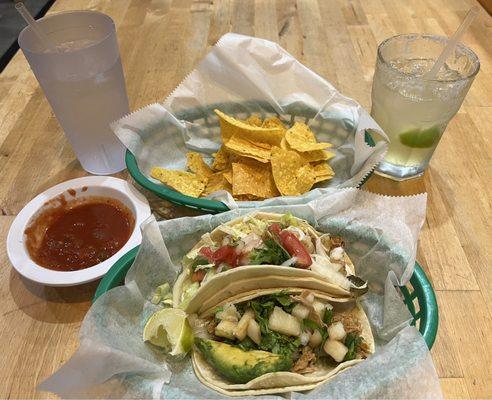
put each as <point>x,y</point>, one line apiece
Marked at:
<point>206,117</point>
<point>418,295</point>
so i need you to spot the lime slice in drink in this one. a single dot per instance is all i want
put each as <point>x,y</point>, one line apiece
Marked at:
<point>421,138</point>
<point>169,329</point>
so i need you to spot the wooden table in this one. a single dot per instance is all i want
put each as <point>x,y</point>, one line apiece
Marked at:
<point>161,41</point>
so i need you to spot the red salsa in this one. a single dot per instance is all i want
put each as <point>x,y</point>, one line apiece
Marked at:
<point>79,234</point>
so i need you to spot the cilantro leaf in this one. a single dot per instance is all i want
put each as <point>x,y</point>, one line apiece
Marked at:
<point>309,324</point>
<point>199,261</point>
<point>352,341</point>
<point>272,253</point>
<point>273,341</point>
<point>328,316</point>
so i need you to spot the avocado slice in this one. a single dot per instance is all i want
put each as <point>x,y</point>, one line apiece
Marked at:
<point>240,366</point>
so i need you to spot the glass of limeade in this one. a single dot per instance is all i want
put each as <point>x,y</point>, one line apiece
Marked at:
<point>412,109</point>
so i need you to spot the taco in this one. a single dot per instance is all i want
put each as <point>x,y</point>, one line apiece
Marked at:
<point>278,340</point>
<point>265,244</point>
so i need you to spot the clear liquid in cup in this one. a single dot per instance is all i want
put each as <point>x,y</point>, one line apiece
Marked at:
<point>85,106</point>
<point>412,110</point>
<point>413,118</point>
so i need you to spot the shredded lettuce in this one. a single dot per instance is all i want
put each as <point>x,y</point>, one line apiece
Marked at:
<point>162,295</point>
<point>236,231</point>
<point>250,224</point>
<point>189,291</point>
<point>288,220</point>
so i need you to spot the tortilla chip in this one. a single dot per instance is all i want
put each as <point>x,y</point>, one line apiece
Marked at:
<point>246,148</point>
<point>305,178</point>
<point>301,138</point>
<point>230,127</point>
<point>228,175</point>
<point>184,182</point>
<point>253,178</point>
<point>322,171</point>
<point>273,122</point>
<point>317,155</point>
<point>221,160</point>
<point>197,165</point>
<point>216,181</point>
<point>293,176</point>
<point>309,156</point>
<point>253,120</point>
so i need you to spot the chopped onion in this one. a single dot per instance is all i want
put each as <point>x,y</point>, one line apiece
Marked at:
<point>289,262</point>
<point>310,298</point>
<point>315,339</point>
<point>300,311</point>
<point>229,313</point>
<point>335,349</point>
<point>305,336</point>
<point>254,331</point>
<point>239,247</point>
<point>337,254</point>
<point>336,331</point>
<point>330,273</point>
<point>252,241</point>
<point>326,262</point>
<point>282,322</point>
<point>225,329</point>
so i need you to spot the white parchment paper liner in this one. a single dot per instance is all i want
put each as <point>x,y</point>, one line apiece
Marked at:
<point>243,75</point>
<point>381,235</point>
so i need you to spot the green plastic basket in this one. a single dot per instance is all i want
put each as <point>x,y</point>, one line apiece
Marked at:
<point>418,295</point>
<point>206,117</point>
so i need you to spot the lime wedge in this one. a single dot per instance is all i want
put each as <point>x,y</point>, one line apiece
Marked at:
<point>169,329</point>
<point>421,138</point>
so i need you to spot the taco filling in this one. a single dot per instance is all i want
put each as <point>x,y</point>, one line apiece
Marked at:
<point>281,331</point>
<point>267,239</point>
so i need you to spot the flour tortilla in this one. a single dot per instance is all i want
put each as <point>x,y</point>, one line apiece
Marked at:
<point>240,273</point>
<point>284,381</point>
<point>253,278</point>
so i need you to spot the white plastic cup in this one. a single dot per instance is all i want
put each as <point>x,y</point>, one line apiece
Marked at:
<point>83,83</point>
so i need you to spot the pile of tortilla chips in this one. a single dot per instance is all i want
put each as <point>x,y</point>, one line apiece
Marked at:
<point>257,160</point>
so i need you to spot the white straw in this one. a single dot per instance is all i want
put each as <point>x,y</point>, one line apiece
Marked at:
<point>47,43</point>
<point>452,42</point>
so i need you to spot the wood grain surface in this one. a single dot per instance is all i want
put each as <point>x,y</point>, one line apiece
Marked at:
<point>161,41</point>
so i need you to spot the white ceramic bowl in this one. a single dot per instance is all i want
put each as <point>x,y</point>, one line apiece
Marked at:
<point>93,186</point>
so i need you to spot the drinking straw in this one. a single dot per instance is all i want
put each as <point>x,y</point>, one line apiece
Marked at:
<point>452,42</point>
<point>48,44</point>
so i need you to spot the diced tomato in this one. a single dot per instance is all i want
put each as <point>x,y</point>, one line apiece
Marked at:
<point>226,254</point>
<point>198,276</point>
<point>207,252</point>
<point>295,248</point>
<point>275,228</point>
